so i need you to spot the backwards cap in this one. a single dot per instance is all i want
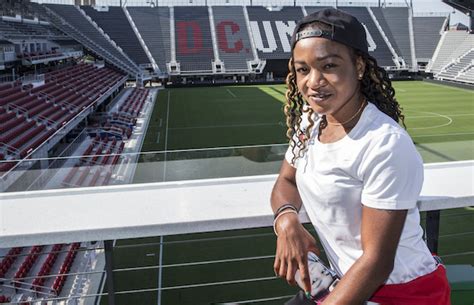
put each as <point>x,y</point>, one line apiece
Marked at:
<point>346,29</point>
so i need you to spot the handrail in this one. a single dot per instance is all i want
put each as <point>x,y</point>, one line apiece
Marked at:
<point>191,207</point>
<point>395,56</point>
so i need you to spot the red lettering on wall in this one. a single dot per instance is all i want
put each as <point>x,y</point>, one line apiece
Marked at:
<point>189,31</point>
<point>222,37</point>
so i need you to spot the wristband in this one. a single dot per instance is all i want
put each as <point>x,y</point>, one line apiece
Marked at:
<point>284,207</point>
<point>278,216</point>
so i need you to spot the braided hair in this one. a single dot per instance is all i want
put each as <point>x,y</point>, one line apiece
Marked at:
<point>375,86</point>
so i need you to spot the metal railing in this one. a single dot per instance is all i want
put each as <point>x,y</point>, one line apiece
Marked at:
<point>198,206</point>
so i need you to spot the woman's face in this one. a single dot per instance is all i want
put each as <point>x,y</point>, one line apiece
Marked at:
<point>326,75</point>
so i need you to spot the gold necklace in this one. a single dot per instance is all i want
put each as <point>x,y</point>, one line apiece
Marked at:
<point>352,117</point>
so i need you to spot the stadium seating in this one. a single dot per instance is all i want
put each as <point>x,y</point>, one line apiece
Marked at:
<point>78,26</point>
<point>97,161</point>
<point>394,23</point>
<point>33,29</point>
<point>114,22</point>
<point>272,30</point>
<point>380,50</point>
<point>134,103</point>
<point>467,76</point>
<point>194,48</point>
<point>452,45</point>
<point>7,29</point>
<point>312,9</point>
<point>8,260</point>
<point>427,34</point>
<point>32,115</point>
<point>60,280</point>
<point>233,38</point>
<point>458,67</point>
<point>4,299</point>
<point>154,27</point>
<point>27,264</point>
<point>96,165</point>
<point>46,267</point>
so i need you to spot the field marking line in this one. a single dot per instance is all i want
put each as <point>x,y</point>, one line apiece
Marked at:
<point>166,134</point>
<point>160,271</point>
<point>224,126</point>
<point>450,121</point>
<point>443,134</point>
<point>447,87</point>
<point>231,93</point>
<point>158,137</point>
<point>434,116</point>
<point>161,123</point>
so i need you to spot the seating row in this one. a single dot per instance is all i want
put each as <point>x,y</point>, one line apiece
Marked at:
<point>59,281</point>
<point>25,267</point>
<point>46,267</point>
<point>32,115</point>
<point>8,260</point>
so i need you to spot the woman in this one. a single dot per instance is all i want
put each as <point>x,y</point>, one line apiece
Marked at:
<point>355,170</point>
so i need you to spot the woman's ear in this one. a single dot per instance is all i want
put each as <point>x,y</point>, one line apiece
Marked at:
<point>360,67</point>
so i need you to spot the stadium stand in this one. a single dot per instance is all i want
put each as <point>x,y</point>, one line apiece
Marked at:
<point>467,76</point>
<point>12,8</point>
<point>451,45</point>
<point>32,115</point>
<point>427,34</point>
<point>194,46</point>
<point>378,48</point>
<point>458,67</point>
<point>29,269</point>
<point>74,23</point>
<point>396,18</point>
<point>114,22</point>
<point>34,112</point>
<point>154,27</point>
<point>233,40</point>
<point>272,30</point>
<point>34,29</point>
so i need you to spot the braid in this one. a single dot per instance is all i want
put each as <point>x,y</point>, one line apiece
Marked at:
<point>294,108</point>
<point>377,88</point>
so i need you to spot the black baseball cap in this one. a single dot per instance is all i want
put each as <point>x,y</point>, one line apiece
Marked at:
<point>346,29</point>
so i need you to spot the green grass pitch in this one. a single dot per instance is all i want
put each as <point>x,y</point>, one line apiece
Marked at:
<point>439,119</point>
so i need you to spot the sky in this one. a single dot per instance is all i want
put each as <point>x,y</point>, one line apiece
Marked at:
<point>439,6</point>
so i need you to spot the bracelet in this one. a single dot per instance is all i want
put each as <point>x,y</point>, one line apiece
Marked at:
<point>284,207</point>
<point>278,216</point>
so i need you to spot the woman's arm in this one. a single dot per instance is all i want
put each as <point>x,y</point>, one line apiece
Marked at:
<point>294,241</point>
<point>380,233</point>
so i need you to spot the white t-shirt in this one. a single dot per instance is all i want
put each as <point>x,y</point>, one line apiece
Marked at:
<point>377,165</point>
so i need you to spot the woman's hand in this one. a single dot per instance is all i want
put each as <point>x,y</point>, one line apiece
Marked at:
<point>293,244</point>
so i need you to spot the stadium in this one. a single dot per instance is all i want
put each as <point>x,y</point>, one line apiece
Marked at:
<point>139,141</point>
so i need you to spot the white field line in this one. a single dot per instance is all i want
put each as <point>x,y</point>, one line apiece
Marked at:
<point>435,126</point>
<point>158,137</point>
<point>231,93</point>
<point>443,134</point>
<point>447,87</point>
<point>437,115</point>
<point>166,133</point>
<point>225,126</point>
<point>160,271</point>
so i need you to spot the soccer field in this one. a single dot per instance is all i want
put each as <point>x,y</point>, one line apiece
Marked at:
<point>208,268</point>
<point>192,118</point>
